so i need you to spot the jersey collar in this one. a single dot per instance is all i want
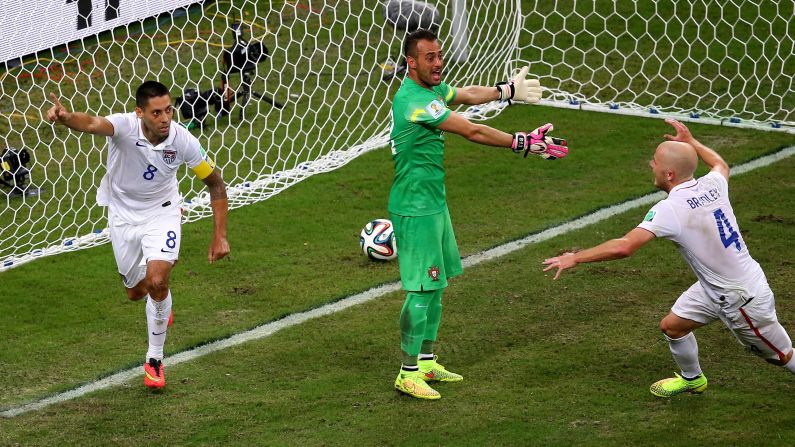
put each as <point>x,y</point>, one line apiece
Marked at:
<point>686,184</point>
<point>411,82</point>
<point>414,84</point>
<point>165,144</point>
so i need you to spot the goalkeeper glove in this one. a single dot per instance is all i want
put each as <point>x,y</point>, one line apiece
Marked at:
<point>537,142</point>
<point>520,88</point>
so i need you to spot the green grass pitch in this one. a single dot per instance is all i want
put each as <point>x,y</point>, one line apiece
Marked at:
<point>545,363</point>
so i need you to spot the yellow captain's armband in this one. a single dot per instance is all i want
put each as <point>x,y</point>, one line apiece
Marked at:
<point>204,169</point>
<point>450,94</point>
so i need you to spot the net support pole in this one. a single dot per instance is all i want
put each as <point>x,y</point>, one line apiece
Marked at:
<point>460,32</point>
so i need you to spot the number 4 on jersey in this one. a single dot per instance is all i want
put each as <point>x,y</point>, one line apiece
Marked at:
<point>727,234</point>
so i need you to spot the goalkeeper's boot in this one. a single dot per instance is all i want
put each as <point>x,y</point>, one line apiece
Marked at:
<point>678,385</point>
<point>432,371</point>
<point>154,374</point>
<point>412,383</point>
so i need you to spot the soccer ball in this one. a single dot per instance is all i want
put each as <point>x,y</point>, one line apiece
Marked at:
<point>378,240</point>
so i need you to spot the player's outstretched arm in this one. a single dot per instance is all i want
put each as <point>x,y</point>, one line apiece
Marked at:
<point>78,121</point>
<point>219,247</point>
<point>520,88</point>
<point>710,157</point>
<point>477,133</point>
<point>474,94</point>
<point>606,251</point>
<point>536,142</point>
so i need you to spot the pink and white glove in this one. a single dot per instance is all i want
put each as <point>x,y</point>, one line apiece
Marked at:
<point>537,142</point>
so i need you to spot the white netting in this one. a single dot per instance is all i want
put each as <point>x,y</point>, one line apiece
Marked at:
<point>729,61</point>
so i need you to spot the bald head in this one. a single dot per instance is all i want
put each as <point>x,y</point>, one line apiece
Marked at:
<point>681,158</point>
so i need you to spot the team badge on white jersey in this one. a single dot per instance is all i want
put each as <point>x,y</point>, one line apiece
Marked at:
<point>169,156</point>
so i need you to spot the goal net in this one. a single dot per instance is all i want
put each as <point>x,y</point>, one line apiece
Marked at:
<point>278,91</point>
<point>720,62</point>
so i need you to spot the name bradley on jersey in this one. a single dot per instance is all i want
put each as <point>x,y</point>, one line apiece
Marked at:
<point>704,199</point>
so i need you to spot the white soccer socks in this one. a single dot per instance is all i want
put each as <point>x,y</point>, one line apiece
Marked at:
<point>157,313</point>
<point>685,353</point>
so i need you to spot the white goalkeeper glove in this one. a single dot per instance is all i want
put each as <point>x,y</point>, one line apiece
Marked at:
<point>520,88</point>
<point>537,142</point>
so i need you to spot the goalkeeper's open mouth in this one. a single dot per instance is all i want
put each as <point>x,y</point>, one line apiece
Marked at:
<point>436,75</point>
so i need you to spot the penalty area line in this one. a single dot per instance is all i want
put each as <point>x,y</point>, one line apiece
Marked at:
<point>295,319</point>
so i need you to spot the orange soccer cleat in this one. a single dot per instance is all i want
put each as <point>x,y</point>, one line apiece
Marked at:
<point>154,374</point>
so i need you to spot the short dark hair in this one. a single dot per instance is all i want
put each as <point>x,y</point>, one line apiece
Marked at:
<point>149,89</point>
<point>410,44</point>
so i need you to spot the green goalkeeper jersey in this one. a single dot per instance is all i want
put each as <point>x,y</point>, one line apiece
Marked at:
<point>418,149</point>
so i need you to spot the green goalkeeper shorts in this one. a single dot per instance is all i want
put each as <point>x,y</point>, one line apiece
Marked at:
<point>427,251</point>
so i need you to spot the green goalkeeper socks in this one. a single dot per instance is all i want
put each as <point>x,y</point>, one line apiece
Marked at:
<point>409,360</point>
<point>419,323</point>
<point>427,346</point>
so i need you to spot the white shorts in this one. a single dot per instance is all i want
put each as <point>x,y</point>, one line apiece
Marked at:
<point>135,245</point>
<point>752,320</point>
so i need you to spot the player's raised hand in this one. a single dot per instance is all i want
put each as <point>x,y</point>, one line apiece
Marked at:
<point>57,112</point>
<point>682,132</point>
<point>521,88</point>
<point>539,143</point>
<point>526,89</point>
<point>219,248</point>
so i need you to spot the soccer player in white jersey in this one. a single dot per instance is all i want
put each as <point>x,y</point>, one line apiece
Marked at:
<point>731,286</point>
<point>145,150</point>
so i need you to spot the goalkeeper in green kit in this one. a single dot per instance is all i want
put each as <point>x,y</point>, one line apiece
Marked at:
<point>428,253</point>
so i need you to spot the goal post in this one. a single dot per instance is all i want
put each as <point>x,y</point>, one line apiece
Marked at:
<point>278,91</point>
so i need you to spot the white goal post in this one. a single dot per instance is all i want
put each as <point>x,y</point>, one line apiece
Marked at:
<point>278,91</point>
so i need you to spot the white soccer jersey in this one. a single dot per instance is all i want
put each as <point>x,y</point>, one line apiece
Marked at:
<point>141,179</point>
<point>699,219</point>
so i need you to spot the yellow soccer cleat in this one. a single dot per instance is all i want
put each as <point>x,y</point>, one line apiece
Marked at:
<point>412,383</point>
<point>434,372</point>
<point>677,385</point>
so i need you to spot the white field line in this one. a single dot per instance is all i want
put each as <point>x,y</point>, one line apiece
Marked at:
<point>294,319</point>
